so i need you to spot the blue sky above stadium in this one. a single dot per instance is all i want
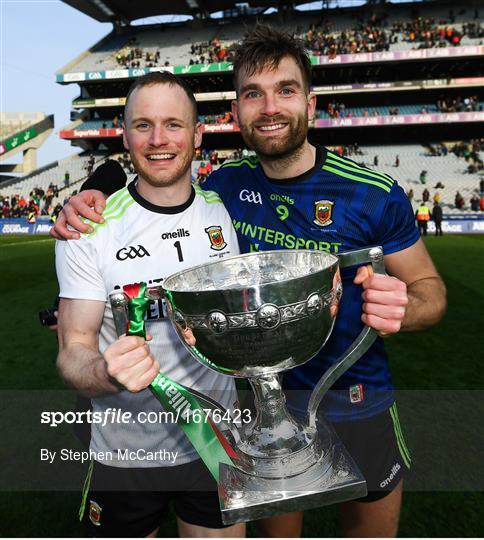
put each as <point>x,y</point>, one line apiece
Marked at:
<point>38,37</point>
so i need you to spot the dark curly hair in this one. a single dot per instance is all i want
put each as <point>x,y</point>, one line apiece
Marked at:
<point>265,47</point>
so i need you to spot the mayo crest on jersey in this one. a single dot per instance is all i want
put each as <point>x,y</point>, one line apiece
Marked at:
<point>137,242</point>
<point>336,206</point>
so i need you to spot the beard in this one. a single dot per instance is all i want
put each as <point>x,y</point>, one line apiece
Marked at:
<point>286,148</point>
<point>164,178</point>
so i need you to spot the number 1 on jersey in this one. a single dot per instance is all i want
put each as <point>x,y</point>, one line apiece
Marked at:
<point>179,250</point>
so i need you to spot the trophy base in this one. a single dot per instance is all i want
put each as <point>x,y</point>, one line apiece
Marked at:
<point>245,497</point>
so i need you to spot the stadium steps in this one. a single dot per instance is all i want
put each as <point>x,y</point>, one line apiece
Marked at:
<point>54,173</point>
<point>450,170</point>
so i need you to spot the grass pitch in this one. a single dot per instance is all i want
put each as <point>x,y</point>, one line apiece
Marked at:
<point>443,363</point>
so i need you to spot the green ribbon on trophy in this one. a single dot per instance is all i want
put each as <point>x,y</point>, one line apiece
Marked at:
<point>210,444</point>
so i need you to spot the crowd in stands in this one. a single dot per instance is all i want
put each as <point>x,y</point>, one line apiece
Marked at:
<point>428,34</point>
<point>458,104</point>
<point>470,152</point>
<point>38,203</point>
<point>89,166</point>
<point>134,56</point>
<point>115,122</point>
<point>371,37</point>
<point>476,201</point>
<point>438,150</point>
<point>125,162</point>
<point>339,110</point>
<point>336,109</point>
<point>202,154</point>
<point>376,35</point>
<point>211,52</point>
<point>223,118</point>
<point>349,150</point>
<point>210,159</point>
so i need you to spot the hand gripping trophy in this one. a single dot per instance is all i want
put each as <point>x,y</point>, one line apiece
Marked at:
<point>255,316</point>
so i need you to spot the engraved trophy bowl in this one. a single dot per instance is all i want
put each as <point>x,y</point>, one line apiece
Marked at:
<point>255,316</point>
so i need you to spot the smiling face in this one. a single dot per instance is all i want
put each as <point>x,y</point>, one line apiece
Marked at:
<point>161,134</point>
<point>272,110</point>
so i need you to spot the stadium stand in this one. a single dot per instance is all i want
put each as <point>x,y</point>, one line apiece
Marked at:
<point>400,29</point>
<point>225,117</point>
<point>50,179</point>
<point>450,170</point>
<point>11,123</point>
<point>76,166</point>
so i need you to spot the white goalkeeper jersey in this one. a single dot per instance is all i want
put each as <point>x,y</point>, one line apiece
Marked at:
<point>142,242</point>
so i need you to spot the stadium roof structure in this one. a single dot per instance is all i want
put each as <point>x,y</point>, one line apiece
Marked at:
<point>127,10</point>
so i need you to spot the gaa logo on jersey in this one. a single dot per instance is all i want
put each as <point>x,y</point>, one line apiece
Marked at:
<point>216,237</point>
<point>323,211</point>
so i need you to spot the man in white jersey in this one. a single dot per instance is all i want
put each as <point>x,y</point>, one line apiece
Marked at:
<point>157,225</point>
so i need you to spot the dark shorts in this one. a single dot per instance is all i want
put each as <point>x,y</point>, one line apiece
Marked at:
<point>132,502</point>
<point>378,448</point>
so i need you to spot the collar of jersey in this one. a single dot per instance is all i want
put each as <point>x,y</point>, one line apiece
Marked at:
<point>318,163</point>
<point>159,209</point>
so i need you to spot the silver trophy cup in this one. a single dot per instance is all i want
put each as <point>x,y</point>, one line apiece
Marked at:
<point>255,316</point>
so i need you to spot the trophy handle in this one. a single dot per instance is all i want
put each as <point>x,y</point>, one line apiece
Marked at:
<point>119,305</point>
<point>361,344</point>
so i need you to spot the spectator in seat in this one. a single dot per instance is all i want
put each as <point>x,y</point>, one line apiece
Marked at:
<point>397,161</point>
<point>202,171</point>
<point>423,177</point>
<point>6,209</point>
<point>425,195</point>
<point>459,201</point>
<point>474,203</point>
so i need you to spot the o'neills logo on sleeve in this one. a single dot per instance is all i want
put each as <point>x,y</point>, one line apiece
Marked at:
<point>216,237</point>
